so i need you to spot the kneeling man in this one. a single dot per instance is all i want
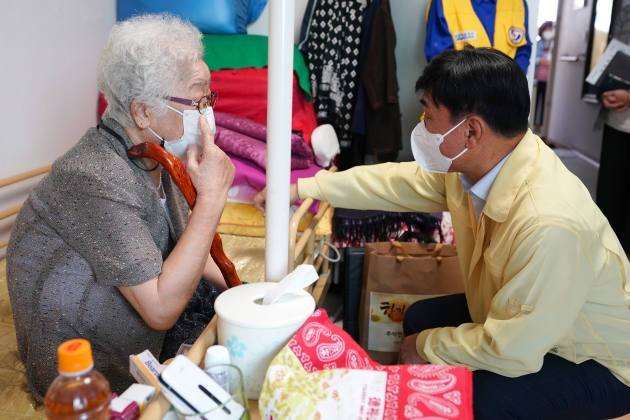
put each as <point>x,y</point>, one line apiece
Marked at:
<point>545,320</point>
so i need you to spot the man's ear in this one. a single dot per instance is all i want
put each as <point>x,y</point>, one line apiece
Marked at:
<point>475,128</point>
<point>139,114</point>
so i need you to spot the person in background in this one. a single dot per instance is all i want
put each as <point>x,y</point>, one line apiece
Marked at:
<point>105,248</point>
<point>546,32</point>
<point>500,24</point>
<point>613,182</point>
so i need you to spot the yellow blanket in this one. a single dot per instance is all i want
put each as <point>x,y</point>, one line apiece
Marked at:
<point>245,220</point>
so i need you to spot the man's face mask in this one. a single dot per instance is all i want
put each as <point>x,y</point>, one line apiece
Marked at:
<point>425,147</point>
<point>192,132</point>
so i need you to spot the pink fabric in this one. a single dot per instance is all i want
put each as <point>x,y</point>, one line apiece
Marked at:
<point>259,132</point>
<point>247,147</point>
<point>246,172</point>
<point>243,193</point>
<point>413,391</point>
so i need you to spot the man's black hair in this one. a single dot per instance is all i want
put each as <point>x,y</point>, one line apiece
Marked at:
<point>479,81</point>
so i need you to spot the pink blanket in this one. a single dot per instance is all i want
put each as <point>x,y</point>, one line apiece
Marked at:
<point>247,139</point>
<point>249,148</point>
<point>259,132</point>
<point>246,172</point>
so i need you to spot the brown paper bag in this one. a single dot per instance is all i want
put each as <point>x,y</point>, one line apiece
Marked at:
<point>395,275</point>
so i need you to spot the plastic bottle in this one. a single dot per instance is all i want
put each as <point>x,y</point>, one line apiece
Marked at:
<point>218,355</point>
<point>79,392</point>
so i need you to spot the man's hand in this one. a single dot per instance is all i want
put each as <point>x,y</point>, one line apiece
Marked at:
<point>616,100</point>
<point>260,199</point>
<point>408,354</point>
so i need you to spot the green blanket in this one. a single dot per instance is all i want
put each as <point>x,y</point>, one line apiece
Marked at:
<point>241,51</point>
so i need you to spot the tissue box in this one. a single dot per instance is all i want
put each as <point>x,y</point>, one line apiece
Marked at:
<point>122,409</point>
<point>140,394</point>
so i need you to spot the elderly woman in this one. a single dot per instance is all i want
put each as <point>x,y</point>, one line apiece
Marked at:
<point>104,247</point>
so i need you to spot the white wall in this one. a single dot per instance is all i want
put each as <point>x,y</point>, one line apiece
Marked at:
<point>47,82</point>
<point>409,21</point>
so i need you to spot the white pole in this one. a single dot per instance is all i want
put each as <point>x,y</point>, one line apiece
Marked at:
<point>279,113</point>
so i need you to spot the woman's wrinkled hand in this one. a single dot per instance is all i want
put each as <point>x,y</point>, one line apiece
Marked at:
<point>408,353</point>
<point>211,170</point>
<point>616,100</point>
<point>260,199</point>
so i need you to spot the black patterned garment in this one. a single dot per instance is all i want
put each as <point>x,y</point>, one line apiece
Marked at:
<point>332,40</point>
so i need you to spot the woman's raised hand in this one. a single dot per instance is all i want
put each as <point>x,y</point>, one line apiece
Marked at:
<point>211,170</point>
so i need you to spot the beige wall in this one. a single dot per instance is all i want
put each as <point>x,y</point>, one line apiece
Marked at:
<point>48,99</point>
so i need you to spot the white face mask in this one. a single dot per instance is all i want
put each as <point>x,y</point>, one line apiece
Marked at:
<point>425,147</point>
<point>548,35</point>
<point>192,132</point>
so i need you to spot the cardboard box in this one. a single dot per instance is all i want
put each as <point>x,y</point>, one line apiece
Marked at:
<point>145,368</point>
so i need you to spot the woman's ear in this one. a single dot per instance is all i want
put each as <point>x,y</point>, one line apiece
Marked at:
<point>139,114</point>
<point>475,128</point>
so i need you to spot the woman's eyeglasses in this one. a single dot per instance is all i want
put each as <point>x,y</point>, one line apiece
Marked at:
<point>207,101</point>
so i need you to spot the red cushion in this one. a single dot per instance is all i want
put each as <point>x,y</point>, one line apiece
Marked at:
<point>243,92</point>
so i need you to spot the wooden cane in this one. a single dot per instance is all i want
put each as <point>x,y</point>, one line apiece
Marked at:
<point>177,171</point>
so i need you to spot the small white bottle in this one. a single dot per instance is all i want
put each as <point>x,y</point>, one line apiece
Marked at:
<point>218,355</point>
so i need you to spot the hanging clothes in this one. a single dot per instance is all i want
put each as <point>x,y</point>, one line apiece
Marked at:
<point>359,123</point>
<point>384,127</point>
<point>355,154</point>
<point>333,37</point>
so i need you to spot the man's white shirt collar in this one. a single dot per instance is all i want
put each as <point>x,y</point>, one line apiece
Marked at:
<point>479,192</point>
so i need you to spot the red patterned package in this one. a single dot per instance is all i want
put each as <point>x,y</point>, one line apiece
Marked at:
<point>324,374</point>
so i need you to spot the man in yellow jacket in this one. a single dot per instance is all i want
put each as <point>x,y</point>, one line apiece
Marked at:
<point>500,24</point>
<point>545,320</point>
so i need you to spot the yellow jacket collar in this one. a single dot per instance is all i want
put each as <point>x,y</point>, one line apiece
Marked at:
<point>511,178</point>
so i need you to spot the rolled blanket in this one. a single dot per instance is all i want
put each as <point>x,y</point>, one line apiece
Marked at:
<point>259,132</point>
<point>246,172</point>
<point>250,148</point>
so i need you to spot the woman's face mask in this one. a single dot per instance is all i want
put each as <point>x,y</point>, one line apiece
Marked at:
<point>192,132</point>
<point>548,35</point>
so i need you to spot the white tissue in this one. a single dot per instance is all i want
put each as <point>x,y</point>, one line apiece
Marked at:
<point>304,275</point>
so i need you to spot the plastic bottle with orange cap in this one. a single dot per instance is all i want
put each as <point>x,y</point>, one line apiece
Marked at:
<point>79,392</point>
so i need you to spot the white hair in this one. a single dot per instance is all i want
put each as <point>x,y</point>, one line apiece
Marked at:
<point>144,58</point>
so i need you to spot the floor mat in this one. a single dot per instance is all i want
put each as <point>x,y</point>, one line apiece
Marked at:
<point>16,401</point>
